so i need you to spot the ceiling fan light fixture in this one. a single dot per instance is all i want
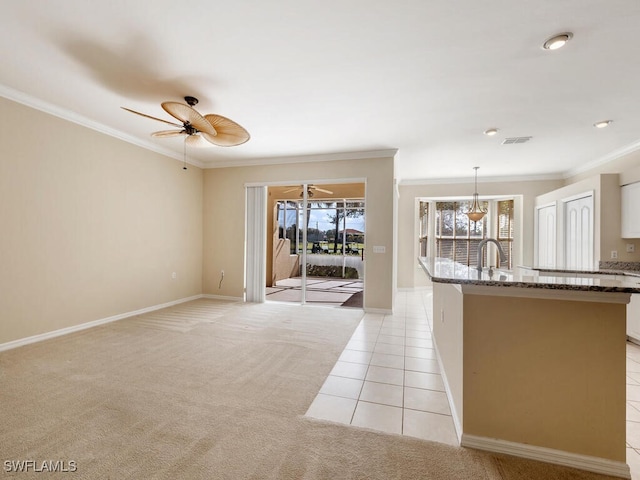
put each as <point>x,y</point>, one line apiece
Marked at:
<point>557,41</point>
<point>602,124</point>
<point>490,132</point>
<point>200,130</point>
<point>191,101</point>
<point>476,213</point>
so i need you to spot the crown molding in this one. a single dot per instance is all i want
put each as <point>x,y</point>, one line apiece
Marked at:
<point>56,111</point>
<point>614,155</point>
<point>500,179</point>
<point>327,157</point>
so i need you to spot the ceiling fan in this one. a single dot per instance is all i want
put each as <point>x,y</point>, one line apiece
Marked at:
<point>310,189</point>
<point>199,130</point>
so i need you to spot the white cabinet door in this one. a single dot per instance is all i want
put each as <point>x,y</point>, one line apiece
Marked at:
<point>545,225</point>
<point>630,208</point>
<point>578,233</point>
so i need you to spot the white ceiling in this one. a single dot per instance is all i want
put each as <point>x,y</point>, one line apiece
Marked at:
<point>425,77</point>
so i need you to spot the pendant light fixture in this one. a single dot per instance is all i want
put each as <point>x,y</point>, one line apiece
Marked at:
<point>476,213</point>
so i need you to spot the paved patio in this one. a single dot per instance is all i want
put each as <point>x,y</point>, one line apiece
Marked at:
<point>320,291</point>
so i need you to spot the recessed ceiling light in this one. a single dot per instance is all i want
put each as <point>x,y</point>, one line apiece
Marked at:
<point>603,124</point>
<point>491,132</point>
<point>557,41</point>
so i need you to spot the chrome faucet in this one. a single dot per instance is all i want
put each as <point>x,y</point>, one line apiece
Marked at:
<point>503,257</point>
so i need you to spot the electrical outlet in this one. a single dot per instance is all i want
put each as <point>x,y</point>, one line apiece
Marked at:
<point>631,248</point>
<point>614,254</point>
<point>174,275</point>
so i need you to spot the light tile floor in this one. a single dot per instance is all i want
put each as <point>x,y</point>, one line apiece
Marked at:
<point>388,378</point>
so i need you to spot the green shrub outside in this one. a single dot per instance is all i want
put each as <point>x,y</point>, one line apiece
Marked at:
<point>333,271</point>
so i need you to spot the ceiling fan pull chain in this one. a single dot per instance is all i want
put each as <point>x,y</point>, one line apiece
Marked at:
<point>184,166</point>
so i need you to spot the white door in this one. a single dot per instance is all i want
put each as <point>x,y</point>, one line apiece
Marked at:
<point>578,233</point>
<point>545,236</point>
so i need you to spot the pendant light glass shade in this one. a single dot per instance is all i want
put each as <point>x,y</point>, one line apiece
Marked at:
<point>476,213</point>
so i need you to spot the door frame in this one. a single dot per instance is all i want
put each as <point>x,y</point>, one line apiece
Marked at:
<point>281,183</point>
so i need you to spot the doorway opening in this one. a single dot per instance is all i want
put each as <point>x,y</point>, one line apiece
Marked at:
<point>316,244</point>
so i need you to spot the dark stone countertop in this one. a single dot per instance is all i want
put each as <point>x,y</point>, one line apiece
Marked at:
<point>442,270</point>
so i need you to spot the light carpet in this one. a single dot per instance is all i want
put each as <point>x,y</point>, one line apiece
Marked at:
<point>211,390</point>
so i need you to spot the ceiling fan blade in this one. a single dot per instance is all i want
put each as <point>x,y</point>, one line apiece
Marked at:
<point>229,134</point>
<point>149,116</point>
<point>323,190</point>
<point>292,190</point>
<point>197,141</point>
<point>168,133</point>
<point>186,114</point>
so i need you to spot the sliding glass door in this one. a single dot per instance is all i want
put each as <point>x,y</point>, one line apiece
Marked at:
<point>324,240</point>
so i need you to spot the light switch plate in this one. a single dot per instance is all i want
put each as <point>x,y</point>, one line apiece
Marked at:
<point>379,249</point>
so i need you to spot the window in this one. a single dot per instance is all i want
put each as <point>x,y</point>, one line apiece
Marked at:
<point>505,230</point>
<point>457,237</point>
<point>327,222</point>
<point>424,228</point>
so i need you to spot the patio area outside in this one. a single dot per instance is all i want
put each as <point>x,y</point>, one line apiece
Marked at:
<point>319,291</point>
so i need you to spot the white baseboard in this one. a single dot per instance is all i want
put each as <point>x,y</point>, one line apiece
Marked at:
<point>633,340</point>
<point>222,297</point>
<point>384,311</point>
<point>417,288</point>
<point>83,326</point>
<point>548,455</point>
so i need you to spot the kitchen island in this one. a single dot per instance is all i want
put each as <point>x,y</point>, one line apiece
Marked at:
<point>534,365</point>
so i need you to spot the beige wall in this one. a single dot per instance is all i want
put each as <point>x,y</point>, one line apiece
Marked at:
<point>91,226</point>
<point>281,264</point>
<point>408,269</point>
<point>531,376</point>
<point>513,374</point>
<point>224,230</point>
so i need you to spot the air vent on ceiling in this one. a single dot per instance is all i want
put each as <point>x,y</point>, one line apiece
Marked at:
<point>512,140</point>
